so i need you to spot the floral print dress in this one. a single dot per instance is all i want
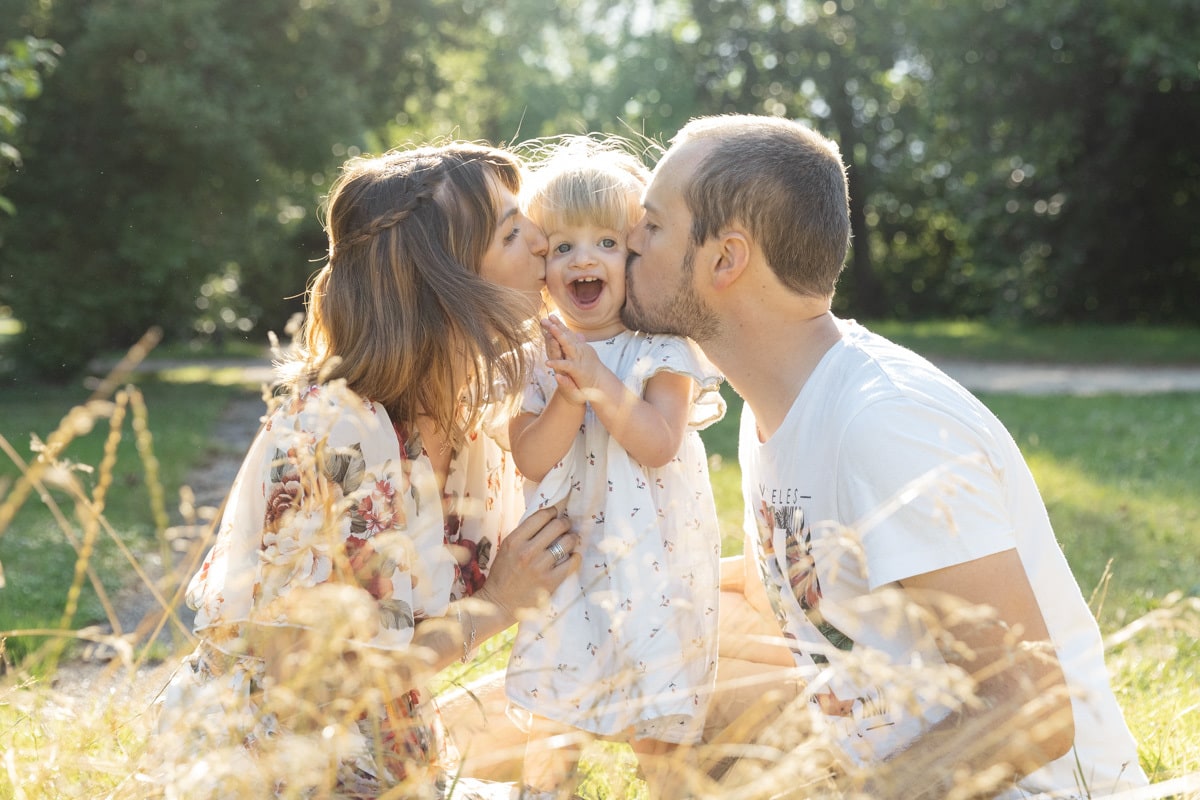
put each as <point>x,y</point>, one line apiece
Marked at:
<point>629,642</point>
<point>334,532</point>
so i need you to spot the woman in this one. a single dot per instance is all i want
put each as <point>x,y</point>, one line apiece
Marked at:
<point>370,538</point>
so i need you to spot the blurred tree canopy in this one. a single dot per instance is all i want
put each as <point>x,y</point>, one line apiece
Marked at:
<point>181,146</point>
<point>1028,161</point>
<point>22,64</point>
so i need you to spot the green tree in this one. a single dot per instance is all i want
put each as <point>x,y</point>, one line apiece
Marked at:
<point>831,64</point>
<point>1005,159</point>
<point>529,69</point>
<point>1065,146</point>
<point>1029,161</point>
<point>23,62</point>
<point>181,141</point>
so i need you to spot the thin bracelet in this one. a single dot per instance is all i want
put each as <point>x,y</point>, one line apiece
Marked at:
<point>469,641</point>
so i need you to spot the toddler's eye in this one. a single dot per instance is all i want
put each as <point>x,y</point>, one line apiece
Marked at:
<point>608,242</point>
<point>563,248</point>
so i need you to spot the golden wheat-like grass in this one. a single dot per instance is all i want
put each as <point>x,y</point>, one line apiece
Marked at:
<point>106,740</point>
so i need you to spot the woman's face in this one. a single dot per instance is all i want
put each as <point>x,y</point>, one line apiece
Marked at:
<point>516,256</point>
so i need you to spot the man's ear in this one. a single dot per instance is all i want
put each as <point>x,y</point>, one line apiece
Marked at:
<point>733,256</point>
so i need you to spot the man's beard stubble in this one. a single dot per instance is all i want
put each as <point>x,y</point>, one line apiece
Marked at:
<point>683,314</point>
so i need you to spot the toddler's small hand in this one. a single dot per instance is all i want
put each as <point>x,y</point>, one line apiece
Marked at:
<point>553,348</point>
<point>562,349</point>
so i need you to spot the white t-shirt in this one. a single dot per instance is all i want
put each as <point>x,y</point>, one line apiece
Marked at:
<point>885,468</point>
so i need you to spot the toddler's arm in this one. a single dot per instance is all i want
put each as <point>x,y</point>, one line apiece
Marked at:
<point>651,429</point>
<point>539,441</point>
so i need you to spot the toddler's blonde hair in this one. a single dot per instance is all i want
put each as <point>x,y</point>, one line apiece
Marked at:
<point>585,180</point>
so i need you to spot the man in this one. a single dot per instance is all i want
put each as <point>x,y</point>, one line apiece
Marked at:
<point>899,536</point>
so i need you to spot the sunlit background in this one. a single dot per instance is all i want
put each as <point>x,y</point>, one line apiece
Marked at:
<point>161,163</point>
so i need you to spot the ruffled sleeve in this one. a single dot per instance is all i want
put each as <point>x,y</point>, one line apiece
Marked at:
<point>541,386</point>
<point>325,498</point>
<point>664,353</point>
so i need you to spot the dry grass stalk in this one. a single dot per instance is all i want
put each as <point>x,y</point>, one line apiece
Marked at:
<point>330,688</point>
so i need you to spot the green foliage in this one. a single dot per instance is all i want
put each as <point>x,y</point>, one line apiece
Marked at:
<point>1007,161</point>
<point>1059,138</point>
<point>175,140</point>
<point>823,63</point>
<point>526,70</point>
<point>22,64</point>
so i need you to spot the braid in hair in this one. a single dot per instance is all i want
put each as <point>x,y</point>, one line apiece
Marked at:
<point>402,313</point>
<point>384,221</point>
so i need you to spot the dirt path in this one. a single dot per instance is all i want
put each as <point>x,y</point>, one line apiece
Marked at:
<point>1070,379</point>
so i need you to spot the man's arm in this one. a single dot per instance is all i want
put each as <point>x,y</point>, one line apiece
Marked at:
<point>1020,716</point>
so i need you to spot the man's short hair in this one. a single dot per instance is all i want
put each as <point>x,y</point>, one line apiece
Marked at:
<point>785,183</point>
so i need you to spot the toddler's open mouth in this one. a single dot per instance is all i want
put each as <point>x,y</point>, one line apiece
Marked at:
<point>586,291</point>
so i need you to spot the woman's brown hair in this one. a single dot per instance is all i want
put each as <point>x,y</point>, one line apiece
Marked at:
<point>400,311</point>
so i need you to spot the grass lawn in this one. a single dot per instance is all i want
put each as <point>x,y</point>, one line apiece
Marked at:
<point>1061,344</point>
<point>37,555</point>
<point>1118,475</point>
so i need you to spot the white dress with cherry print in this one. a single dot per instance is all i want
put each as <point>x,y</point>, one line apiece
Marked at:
<point>630,640</point>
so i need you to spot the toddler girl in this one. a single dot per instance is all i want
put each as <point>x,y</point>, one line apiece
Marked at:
<point>627,648</point>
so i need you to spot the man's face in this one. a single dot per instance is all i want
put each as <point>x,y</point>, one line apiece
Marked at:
<point>660,293</point>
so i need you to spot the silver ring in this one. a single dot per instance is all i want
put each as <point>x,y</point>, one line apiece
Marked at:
<point>561,556</point>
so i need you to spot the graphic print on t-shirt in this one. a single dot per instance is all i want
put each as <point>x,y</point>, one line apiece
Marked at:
<point>785,524</point>
<point>801,570</point>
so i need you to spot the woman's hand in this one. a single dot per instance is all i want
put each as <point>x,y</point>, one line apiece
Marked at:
<point>530,563</point>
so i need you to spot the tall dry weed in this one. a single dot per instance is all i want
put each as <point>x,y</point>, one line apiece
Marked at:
<point>330,691</point>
